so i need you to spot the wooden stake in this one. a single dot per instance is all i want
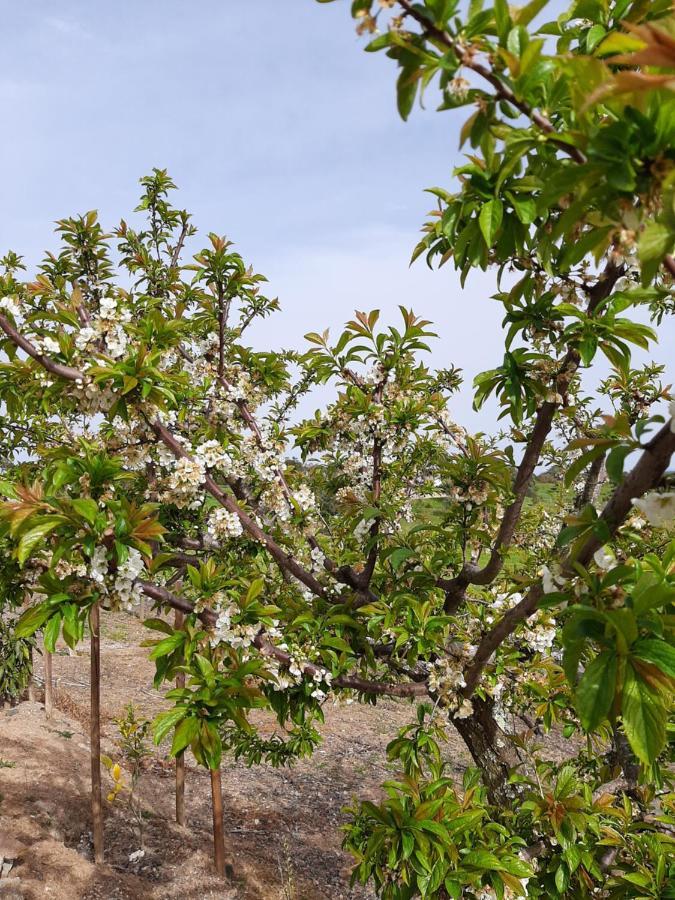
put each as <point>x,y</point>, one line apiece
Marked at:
<point>32,693</point>
<point>49,685</point>
<point>180,758</point>
<point>218,833</point>
<point>95,735</point>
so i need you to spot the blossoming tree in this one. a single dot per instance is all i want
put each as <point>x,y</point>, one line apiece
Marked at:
<point>377,548</point>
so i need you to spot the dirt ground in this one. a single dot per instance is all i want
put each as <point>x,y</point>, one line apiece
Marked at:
<point>281,825</point>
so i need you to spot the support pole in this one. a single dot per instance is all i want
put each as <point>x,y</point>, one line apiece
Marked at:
<point>180,758</point>
<point>49,685</point>
<point>95,735</point>
<point>218,833</point>
<point>32,692</point>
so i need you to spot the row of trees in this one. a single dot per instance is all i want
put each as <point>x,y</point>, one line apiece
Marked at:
<point>377,548</point>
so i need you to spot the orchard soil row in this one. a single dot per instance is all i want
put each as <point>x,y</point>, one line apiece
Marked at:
<point>282,826</point>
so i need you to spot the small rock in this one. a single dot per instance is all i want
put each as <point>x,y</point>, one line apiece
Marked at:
<point>10,851</point>
<point>10,889</point>
<point>136,856</point>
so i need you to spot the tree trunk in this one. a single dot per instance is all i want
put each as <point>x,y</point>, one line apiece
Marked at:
<point>490,748</point>
<point>621,754</point>
<point>95,733</point>
<point>180,758</point>
<point>218,833</point>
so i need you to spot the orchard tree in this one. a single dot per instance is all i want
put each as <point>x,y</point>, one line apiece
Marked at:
<point>377,548</point>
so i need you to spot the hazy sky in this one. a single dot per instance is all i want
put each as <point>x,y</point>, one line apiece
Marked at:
<point>280,133</point>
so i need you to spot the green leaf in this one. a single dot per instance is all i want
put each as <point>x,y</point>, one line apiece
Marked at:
<point>594,36</point>
<point>158,625</point>
<point>51,632</point>
<point>525,14</point>
<point>31,620</point>
<point>596,689</point>
<point>186,732</point>
<point>483,859</point>
<point>660,653</point>
<point>168,645</point>
<point>525,208</point>
<point>575,251</point>
<point>656,241</point>
<point>255,590</point>
<point>648,596</point>
<point>166,721</point>
<point>35,535</point>
<point>87,508</point>
<point>399,556</point>
<point>644,717</point>
<point>406,89</point>
<point>490,219</point>
<point>619,42</point>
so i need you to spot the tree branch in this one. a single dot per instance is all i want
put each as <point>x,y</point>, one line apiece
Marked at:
<point>471,574</point>
<point>348,682</point>
<point>281,557</point>
<point>646,475</point>
<point>503,92</point>
<point>56,368</point>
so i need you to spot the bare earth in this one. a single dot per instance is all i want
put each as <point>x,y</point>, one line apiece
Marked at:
<point>282,825</point>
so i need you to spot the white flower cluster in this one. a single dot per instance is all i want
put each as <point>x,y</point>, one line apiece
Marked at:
<point>446,678</point>
<point>184,482</point>
<point>273,500</point>
<point>321,678</point>
<point>235,635</point>
<point>540,637</point>
<point>539,634</point>
<point>294,674</point>
<point>318,559</point>
<point>46,345</point>
<point>472,495</point>
<point>211,455</point>
<point>552,580</point>
<point>98,567</point>
<point>106,331</point>
<point>223,524</point>
<point>305,499</point>
<point>123,586</point>
<point>128,592</point>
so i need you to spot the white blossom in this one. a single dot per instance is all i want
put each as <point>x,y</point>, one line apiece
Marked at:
<point>604,558</point>
<point>223,524</point>
<point>658,509</point>
<point>98,568</point>
<point>11,305</point>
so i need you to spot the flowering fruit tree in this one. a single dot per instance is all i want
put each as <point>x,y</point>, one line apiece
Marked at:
<point>377,548</point>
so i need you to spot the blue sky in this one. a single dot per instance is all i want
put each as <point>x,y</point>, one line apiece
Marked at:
<point>280,132</point>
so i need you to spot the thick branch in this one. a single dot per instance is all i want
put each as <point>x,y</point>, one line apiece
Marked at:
<point>647,474</point>
<point>471,574</point>
<point>56,368</point>
<point>590,485</point>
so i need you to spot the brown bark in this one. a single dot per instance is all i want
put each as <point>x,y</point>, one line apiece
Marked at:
<point>95,733</point>
<point>49,685</point>
<point>180,758</point>
<point>32,692</point>
<point>491,749</point>
<point>218,832</point>
<point>621,754</point>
